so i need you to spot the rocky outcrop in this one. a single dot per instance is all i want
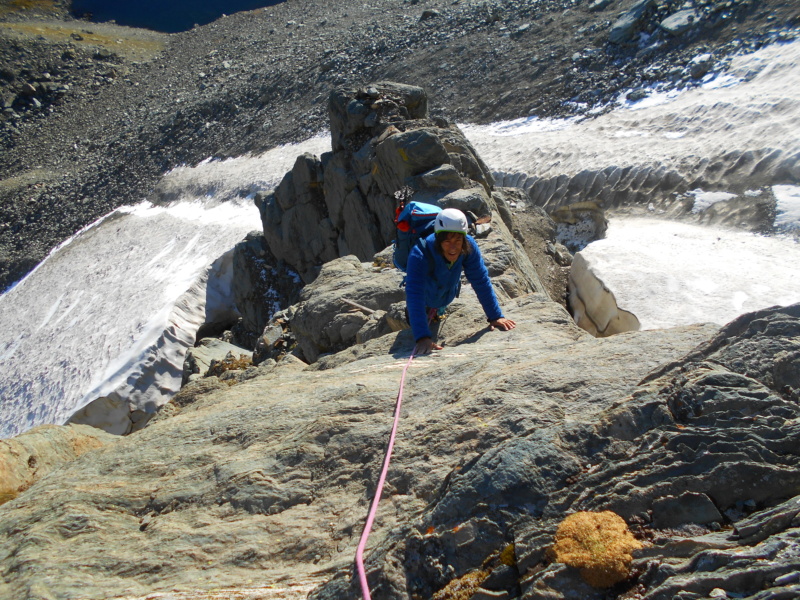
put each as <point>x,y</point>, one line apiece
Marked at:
<point>351,302</point>
<point>269,477</point>
<point>327,318</point>
<point>385,151</point>
<point>701,458</point>
<point>264,475</point>
<point>30,456</point>
<point>384,148</point>
<point>202,356</point>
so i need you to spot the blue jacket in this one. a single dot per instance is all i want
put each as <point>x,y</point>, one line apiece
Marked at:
<point>436,285</point>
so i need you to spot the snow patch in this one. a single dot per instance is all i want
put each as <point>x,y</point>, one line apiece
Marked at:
<point>703,200</point>
<point>788,208</point>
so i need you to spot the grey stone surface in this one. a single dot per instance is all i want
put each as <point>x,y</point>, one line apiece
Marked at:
<point>626,26</point>
<point>672,511</point>
<point>198,358</point>
<point>502,434</point>
<point>323,320</point>
<point>679,22</point>
<point>271,477</point>
<point>384,146</point>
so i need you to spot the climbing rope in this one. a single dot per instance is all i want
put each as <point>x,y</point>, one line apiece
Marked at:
<point>362,575</point>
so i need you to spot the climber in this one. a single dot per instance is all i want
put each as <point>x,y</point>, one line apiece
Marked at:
<point>433,278</point>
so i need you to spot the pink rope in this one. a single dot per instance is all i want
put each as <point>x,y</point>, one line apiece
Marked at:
<point>362,575</point>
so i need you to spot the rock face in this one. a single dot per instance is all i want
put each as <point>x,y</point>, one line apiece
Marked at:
<point>385,151</point>
<point>701,457</point>
<point>384,148</point>
<point>39,451</point>
<point>265,475</point>
<point>261,286</point>
<point>351,302</point>
<point>270,477</point>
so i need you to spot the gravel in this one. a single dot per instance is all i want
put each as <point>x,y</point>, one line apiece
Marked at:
<point>94,114</point>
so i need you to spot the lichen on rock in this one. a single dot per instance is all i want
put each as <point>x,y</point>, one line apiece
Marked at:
<point>597,543</point>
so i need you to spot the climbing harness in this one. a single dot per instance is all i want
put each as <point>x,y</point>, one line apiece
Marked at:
<point>362,575</point>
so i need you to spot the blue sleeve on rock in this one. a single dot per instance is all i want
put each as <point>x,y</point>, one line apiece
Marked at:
<point>478,276</point>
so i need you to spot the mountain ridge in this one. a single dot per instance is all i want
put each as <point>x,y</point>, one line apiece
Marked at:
<point>251,81</point>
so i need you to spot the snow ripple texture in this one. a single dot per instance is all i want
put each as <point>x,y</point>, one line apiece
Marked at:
<point>734,128</point>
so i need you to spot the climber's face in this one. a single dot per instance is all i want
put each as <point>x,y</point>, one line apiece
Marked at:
<point>452,246</point>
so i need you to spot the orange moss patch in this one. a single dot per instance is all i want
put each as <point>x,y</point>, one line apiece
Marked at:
<point>462,588</point>
<point>599,544</point>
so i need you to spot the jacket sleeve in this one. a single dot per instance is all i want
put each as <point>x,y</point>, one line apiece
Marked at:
<point>478,276</point>
<point>416,272</point>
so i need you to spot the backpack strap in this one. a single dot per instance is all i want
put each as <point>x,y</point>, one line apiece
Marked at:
<point>429,255</point>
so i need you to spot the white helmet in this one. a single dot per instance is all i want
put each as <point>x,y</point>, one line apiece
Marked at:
<point>451,220</point>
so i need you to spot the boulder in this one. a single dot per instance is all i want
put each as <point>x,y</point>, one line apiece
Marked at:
<point>406,154</point>
<point>679,22</point>
<point>200,358</point>
<point>388,101</point>
<point>385,149</point>
<point>700,65</point>
<point>624,28</point>
<point>325,320</point>
<point>30,456</point>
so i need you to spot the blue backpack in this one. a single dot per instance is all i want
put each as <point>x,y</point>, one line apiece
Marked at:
<point>414,222</point>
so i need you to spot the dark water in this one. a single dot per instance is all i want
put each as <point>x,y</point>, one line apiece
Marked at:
<point>163,15</point>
